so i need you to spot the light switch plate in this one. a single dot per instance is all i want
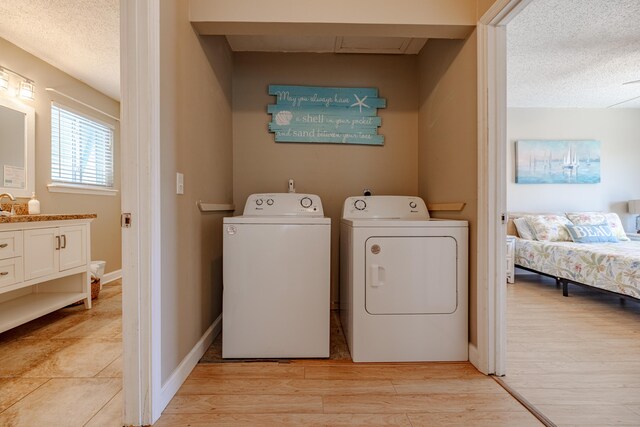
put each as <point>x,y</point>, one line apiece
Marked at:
<point>179,183</point>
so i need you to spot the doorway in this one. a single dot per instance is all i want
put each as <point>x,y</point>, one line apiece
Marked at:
<point>554,340</point>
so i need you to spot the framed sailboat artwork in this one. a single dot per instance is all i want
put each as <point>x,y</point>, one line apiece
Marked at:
<point>557,161</point>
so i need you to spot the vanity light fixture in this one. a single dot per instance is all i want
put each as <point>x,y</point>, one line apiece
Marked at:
<point>26,90</point>
<point>16,84</point>
<point>4,79</point>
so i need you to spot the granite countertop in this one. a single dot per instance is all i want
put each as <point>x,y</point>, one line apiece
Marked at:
<point>45,217</point>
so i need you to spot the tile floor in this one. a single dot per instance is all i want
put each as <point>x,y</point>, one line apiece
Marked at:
<point>49,365</point>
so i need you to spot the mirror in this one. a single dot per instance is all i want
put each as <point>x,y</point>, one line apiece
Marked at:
<point>17,144</point>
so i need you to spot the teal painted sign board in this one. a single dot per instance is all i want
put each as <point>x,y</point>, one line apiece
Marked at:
<point>335,115</point>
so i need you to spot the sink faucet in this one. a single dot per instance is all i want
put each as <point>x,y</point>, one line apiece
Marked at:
<point>3,195</point>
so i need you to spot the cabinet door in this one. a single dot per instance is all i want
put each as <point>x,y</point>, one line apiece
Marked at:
<point>73,251</point>
<point>40,252</point>
<point>10,244</point>
<point>10,271</point>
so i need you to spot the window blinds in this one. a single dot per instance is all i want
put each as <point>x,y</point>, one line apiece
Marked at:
<point>81,149</point>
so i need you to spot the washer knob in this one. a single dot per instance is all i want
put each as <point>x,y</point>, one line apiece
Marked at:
<point>270,202</point>
<point>259,202</point>
<point>412,205</point>
<point>360,204</point>
<point>306,202</point>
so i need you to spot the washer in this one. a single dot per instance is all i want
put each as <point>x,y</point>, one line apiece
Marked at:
<point>403,281</point>
<point>276,266</point>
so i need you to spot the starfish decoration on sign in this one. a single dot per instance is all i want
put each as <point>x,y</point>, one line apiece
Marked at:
<point>360,102</point>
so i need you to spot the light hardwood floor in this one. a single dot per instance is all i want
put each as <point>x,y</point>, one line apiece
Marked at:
<point>341,393</point>
<point>64,369</point>
<point>576,359</point>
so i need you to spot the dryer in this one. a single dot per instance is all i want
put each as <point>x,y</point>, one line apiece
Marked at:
<point>403,281</point>
<point>276,268</point>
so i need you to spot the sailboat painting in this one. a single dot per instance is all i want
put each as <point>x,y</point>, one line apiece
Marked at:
<point>557,161</point>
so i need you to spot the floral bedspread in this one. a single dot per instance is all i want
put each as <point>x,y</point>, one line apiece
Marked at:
<point>611,266</point>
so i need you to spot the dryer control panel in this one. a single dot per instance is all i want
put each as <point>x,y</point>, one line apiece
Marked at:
<point>385,207</point>
<point>283,204</point>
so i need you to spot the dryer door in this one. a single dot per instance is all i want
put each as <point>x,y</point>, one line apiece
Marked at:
<point>411,275</point>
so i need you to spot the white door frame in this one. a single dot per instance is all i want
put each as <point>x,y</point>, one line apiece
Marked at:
<point>492,124</point>
<point>140,136</point>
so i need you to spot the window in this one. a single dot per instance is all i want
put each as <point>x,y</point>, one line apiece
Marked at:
<point>81,149</point>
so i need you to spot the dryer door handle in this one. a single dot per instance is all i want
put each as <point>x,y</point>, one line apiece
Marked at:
<point>377,275</point>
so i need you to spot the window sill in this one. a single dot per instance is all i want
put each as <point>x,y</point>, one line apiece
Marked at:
<point>58,187</point>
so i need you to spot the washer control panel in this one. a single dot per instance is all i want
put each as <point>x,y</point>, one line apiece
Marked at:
<point>385,207</point>
<point>283,204</point>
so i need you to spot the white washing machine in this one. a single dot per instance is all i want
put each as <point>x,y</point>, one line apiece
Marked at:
<point>276,267</point>
<point>403,281</point>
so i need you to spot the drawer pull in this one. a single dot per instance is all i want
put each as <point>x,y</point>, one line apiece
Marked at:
<point>3,245</point>
<point>3,273</point>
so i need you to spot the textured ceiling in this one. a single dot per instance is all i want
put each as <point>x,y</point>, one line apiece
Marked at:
<point>574,53</point>
<point>80,37</point>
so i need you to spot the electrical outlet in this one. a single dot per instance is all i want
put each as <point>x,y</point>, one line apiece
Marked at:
<point>179,183</point>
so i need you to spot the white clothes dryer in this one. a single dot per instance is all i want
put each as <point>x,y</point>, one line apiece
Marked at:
<point>276,275</point>
<point>403,281</point>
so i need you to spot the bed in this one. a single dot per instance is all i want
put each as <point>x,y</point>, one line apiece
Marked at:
<point>613,267</point>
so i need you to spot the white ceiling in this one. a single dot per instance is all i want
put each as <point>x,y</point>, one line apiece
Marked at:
<point>574,53</point>
<point>80,37</point>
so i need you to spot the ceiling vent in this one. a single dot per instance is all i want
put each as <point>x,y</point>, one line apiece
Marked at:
<point>326,44</point>
<point>388,45</point>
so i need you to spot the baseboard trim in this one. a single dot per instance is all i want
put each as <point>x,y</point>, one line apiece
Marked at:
<point>111,276</point>
<point>474,358</point>
<point>180,374</point>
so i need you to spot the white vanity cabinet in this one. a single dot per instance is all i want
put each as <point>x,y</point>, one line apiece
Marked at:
<point>44,266</point>
<point>55,249</point>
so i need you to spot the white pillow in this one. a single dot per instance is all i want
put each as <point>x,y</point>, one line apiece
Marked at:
<point>524,231</point>
<point>549,227</point>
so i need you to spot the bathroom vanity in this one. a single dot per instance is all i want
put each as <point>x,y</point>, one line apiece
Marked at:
<point>44,265</point>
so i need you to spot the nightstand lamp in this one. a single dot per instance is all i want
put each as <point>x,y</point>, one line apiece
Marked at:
<point>634,208</point>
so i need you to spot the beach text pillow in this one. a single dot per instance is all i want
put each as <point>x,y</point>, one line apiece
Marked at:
<point>592,233</point>
<point>593,218</point>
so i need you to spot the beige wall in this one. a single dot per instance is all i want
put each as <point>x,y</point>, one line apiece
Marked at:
<point>195,113</point>
<point>403,12</point>
<point>334,172</point>
<point>483,6</point>
<point>448,139</point>
<point>618,131</point>
<point>105,230</point>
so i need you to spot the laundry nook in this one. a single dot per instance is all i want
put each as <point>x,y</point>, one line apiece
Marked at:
<point>256,171</point>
